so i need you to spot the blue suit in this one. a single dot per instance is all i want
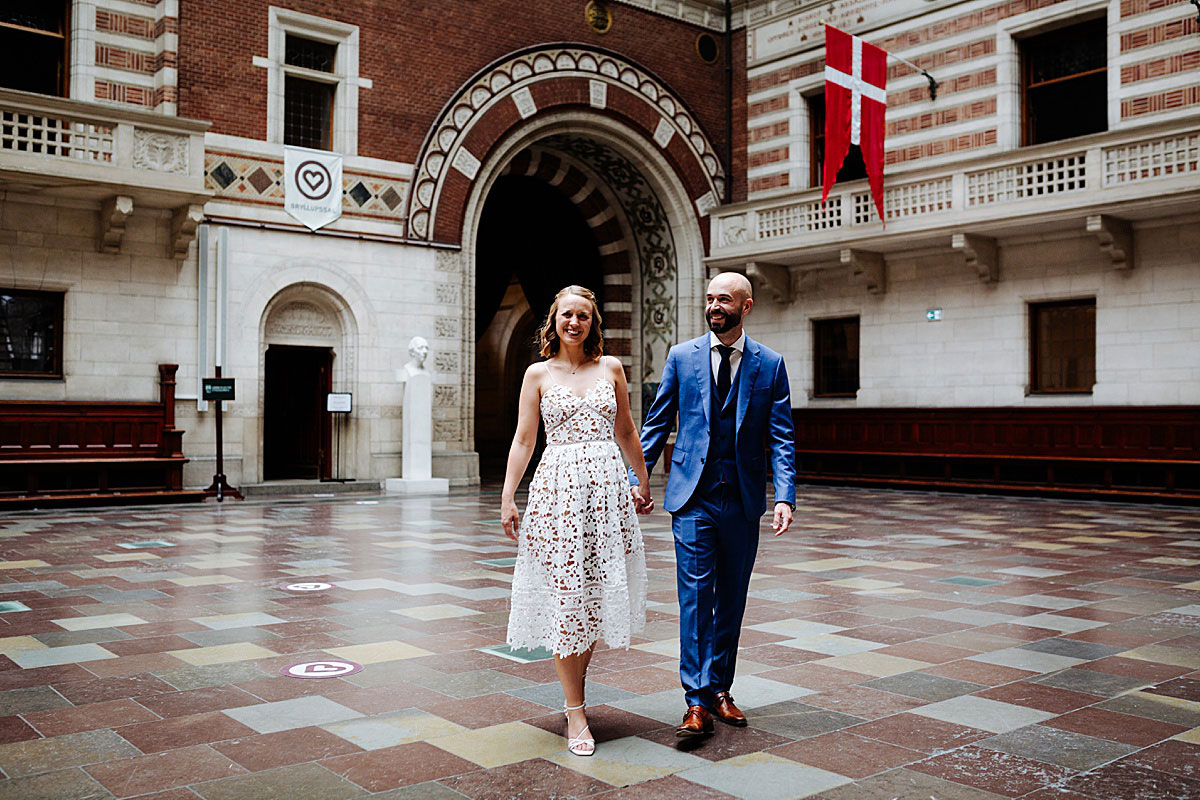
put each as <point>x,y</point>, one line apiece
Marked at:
<point>716,494</point>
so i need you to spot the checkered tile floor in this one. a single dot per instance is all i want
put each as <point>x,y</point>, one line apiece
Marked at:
<point>896,645</point>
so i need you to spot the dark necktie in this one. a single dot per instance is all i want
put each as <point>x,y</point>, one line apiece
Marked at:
<point>723,372</point>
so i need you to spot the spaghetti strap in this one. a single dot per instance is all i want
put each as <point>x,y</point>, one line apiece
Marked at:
<point>550,372</point>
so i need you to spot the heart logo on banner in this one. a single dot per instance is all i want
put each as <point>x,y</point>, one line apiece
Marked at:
<point>313,180</point>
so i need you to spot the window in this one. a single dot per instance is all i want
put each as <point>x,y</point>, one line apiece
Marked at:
<point>835,357</point>
<point>30,334</point>
<point>308,100</point>
<point>313,82</point>
<point>33,46</point>
<point>1062,344</point>
<point>1064,83</point>
<point>853,167</point>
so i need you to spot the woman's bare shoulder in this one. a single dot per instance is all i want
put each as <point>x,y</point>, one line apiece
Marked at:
<point>612,366</point>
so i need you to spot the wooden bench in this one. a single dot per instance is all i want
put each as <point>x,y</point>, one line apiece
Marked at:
<point>1148,453</point>
<point>55,453</point>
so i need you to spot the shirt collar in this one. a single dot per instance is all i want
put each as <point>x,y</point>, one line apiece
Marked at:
<point>739,345</point>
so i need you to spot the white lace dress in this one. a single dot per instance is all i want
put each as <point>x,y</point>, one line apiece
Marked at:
<point>581,568</point>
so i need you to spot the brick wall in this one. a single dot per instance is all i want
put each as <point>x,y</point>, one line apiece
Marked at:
<point>417,54</point>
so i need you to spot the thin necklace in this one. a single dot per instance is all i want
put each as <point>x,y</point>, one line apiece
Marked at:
<point>582,363</point>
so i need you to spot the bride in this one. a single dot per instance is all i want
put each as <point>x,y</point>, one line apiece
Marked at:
<point>581,569</point>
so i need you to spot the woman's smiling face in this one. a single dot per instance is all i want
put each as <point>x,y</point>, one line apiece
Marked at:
<point>573,321</point>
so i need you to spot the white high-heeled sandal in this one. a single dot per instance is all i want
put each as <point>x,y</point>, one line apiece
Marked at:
<point>578,745</point>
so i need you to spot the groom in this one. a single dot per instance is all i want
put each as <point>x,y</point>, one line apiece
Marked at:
<point>733,400</point>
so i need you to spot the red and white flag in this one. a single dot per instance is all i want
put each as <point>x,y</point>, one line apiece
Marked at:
<point>855,101</point>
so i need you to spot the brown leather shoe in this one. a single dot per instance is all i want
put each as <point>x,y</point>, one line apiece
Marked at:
<point>726,711</point>
<point>696,722</point>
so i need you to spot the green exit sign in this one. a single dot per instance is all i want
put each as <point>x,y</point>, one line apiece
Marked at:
<point>934,315</point>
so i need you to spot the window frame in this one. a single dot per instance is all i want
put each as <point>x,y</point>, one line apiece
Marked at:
<point>1025,122</point>
<point>1033,308</point>
<point>819,390</point>
<point>57,373</point>
<point>294,74</point>
<point>64,76</point>
<point>344,78</point>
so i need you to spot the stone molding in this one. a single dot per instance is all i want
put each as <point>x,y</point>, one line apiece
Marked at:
<point>481,105</point>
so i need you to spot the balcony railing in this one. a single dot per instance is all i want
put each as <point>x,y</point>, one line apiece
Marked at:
<point>52,142</point>
<point>1083,175</point>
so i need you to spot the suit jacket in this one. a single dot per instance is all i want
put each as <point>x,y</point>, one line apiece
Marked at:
<point>764,419</point>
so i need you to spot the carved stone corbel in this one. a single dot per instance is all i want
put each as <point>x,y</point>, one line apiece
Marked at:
<point>183,228</point>
<point>775,279</point>
<point>979,253</point>
<point>1115,236</point>
<point>114,212</point>
<point>866,268</point>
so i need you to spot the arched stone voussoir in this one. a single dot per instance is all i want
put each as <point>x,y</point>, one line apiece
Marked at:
<point>517,88</point>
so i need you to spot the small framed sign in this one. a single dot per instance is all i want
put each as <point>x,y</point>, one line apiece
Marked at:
<point>339,402</point>
<point>217,389</point>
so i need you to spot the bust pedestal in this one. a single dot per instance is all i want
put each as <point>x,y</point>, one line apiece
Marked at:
<point>416,469</point>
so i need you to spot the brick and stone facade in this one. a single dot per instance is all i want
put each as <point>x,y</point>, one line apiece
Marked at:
<point>675,175</point>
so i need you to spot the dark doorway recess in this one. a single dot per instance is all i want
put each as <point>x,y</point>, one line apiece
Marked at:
<point>532,241</point>
<point>530,230</point>
<point>295,425</point>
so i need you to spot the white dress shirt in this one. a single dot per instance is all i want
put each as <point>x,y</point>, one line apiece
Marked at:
<point>735,358</point>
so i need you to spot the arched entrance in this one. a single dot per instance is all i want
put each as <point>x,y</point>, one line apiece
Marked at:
<point>613,142</point>
<point>306,351</point>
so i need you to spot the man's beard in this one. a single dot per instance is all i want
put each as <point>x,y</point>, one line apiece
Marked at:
<point>730,322</point>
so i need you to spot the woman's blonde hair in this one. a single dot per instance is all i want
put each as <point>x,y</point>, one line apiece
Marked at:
<point>593,346</point>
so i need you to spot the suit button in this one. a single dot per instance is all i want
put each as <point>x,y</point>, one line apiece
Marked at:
<point>701,459</point>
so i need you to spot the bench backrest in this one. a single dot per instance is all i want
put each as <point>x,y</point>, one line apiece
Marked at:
<point>51,429</point>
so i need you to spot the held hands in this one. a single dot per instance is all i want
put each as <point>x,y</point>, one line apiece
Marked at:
<point>508,518</point>
<point>643,503</point>
<point>783,518</point>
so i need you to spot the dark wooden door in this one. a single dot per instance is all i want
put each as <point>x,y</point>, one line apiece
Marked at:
<point>295,424</point>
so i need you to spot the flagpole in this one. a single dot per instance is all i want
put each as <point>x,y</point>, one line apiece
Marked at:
<point>933,84</point>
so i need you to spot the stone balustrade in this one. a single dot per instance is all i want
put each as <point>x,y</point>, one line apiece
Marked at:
<point>119,158</point>
<point>1059,183</point>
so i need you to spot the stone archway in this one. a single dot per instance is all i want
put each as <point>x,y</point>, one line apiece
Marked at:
<point>628,136</point>
<point>312,323</point>
<point>505,96</point>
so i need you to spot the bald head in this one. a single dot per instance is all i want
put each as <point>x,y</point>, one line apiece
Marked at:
<point>726,303</point>
<point>731,283</point>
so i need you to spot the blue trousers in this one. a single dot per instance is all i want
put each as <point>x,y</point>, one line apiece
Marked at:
<point>715,547</point>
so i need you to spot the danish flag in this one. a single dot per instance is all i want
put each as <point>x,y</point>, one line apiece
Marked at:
<point>855,101</point>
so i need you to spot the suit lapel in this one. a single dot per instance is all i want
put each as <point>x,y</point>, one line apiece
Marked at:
<point>702,360</point>
<point>747,372</point>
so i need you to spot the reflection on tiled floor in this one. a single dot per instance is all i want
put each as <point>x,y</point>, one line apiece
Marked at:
<point>897,645</point>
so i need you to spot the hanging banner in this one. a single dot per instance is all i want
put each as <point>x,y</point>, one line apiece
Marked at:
<point>312,188</point>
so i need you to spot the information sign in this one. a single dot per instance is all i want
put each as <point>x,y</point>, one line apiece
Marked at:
<point>217,389</point>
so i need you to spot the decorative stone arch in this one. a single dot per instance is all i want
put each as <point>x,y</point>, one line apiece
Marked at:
<point>502,97</point>
<point>311,314</point>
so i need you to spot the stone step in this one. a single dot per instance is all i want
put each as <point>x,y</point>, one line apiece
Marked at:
<point>310,488</point>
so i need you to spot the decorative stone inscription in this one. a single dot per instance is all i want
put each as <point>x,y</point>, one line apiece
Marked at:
<point>301,319</point>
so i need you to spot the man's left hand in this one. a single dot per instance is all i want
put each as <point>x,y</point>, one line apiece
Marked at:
<point>783,518</point>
